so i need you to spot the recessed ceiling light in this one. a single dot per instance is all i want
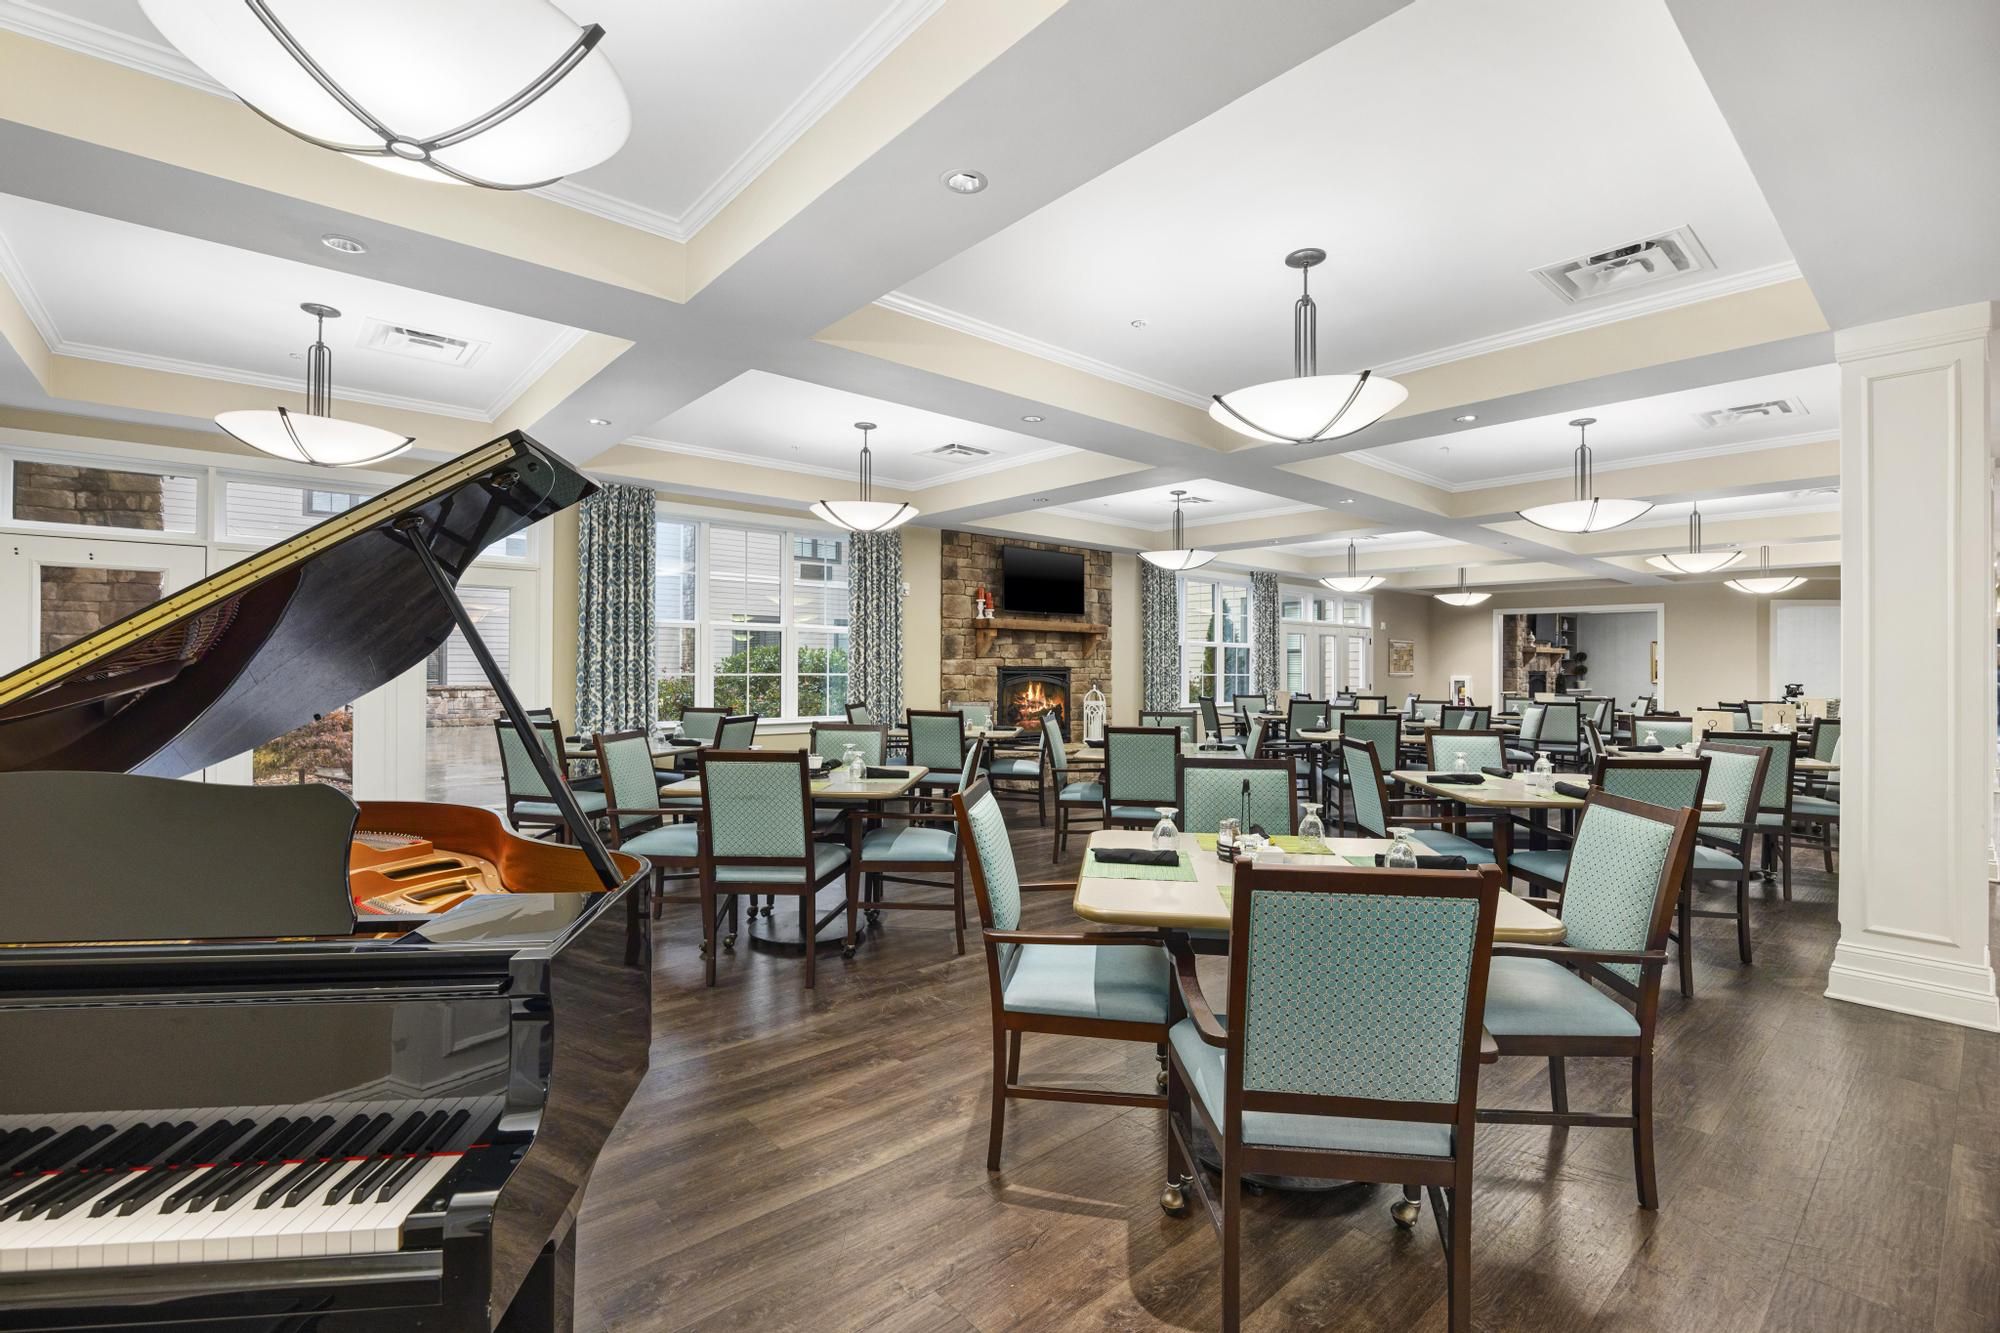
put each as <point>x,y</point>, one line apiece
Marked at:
<point>964,182</point>
<point>347,245</point>
<point>1041,499</point>
<point>600,421</point>
<point>1348,501</point>
<point>1031,417</point>
<point>1469,416</point>
<point>1138,323</point>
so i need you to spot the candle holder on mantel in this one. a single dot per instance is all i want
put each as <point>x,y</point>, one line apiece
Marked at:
<point>1094,711</point>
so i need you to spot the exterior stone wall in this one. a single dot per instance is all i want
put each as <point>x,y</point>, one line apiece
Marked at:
<point>93,497</point>
<point>969,561</point>
<point>460,705</point>
<point>82,599</point>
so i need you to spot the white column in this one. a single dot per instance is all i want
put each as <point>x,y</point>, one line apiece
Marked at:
<point>1917,431</point>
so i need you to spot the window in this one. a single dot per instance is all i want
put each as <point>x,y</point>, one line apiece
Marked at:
<point>322,504</point>
<point>819,625</point>
<point>673,613</point>
<point>96,497</point>
<point>1215,640</point>
<point>1292,605</point>
<point>1295,663</point>
<point>263,512</point>
<point>492,612</point>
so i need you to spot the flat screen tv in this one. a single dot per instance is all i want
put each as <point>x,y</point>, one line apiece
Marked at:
<point>1038,582</point>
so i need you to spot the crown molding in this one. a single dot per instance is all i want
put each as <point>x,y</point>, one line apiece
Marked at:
<point>94,39</point>
<point>16,279</point>
<point>228,374</point>
<point>539,365</point>
<point>911,485</point>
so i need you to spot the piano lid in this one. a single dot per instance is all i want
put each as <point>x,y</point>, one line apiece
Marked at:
<point>287,635</point>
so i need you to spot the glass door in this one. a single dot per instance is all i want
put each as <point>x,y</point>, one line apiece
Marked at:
<point>56,590</point>
<point>1344,661</point>
<point>461,758</point>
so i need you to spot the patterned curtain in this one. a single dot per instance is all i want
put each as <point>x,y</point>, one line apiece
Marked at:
<point>617,687</point>
<point>1160,637</point>
<point>1265,662</point>
<point>875,624</point>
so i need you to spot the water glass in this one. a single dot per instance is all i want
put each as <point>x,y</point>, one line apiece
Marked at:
<point>1458,764</point>
<point>1652,737</point>
<point>1166,837</point>
<point>1312,826</point>
<point>1402,853</point>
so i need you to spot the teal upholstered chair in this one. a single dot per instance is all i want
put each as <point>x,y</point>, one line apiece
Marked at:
<point>738,731</point>
<point>1465,718</point>
<point>1527,742</point>
<point>1598,993</point>
<point>1825,737</point>
<point>1374,813</point>
<point>1666,730</point>
<point>1776,801</point>
<point>1371,703</point>
<point>530,808</point>
<point>1735,778</point>
<point>1429,712</point>
<point>937,742</point>
<point>701,724</point>
<point>978,715</point>
<point>1212,791</point>
<point>1381,731</point>
<point>1303,715</point>
<point>1816,797</point>
<point>1074,796</point>
<point>641,823</point>
<point>757,837</point>
<point>1016,773</point>
<point>1211,720</point>
<point>1140,774</point>
<point>1482,749</point>
<point>1598,708</point>
<point>1182,720</point>
<point>1561,734</point>
<point>1111,984</point>
<point>1246,707</point>
<point>898,847</point>
<point>1513,705</point>
<point>1350,1051</point>
<point>860,714</point>
<point>830,740</point>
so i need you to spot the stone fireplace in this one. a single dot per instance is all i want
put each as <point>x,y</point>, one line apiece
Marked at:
<point>976,656</point>
<point>1027,694</point>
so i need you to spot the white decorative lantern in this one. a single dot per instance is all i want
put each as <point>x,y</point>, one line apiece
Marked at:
<point>1095,709</point>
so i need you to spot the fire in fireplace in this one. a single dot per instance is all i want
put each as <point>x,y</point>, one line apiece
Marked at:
<point>1027,693</point>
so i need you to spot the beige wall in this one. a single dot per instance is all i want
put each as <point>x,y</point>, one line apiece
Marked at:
<point>1717,644</point>
<point>1404,615</point>
<point>1126,685</point>
<point>922,633</point>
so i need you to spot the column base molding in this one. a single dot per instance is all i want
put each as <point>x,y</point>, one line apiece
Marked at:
<point>1909,983</point>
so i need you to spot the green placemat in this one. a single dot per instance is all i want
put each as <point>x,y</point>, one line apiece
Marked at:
<point>1102,870</point>
<point>1284,842</point>
<point>1354,860</point>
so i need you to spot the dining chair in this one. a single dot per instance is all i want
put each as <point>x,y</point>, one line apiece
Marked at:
<point>1512,705</point>
<point>1212,790</point>
<point>1072,798</point>
<point>1140,774</point>
<point>639,821</point>
<point>1383,733</point>
<point>1183,720</point>
<point>1556,1002</point>
<point>937,742</point>
<point>757,837</point>
<point>1304,714</point>
<point>831,740</point>
<point>978,715</point>
<point>1371,703</point>
<point>1755,709</point>
<point>1109,984</point>
<point>1375,813</point>
<point>1350,1049</point>
<point>738,731</point>
<point>859,713</point>
<point>1735,778</point>
<point>1246,708</point>
<point>1524,746</point>
<point>1561,734</point>
<point>897,846</point>
<point>1430,712</point>
<point>1466,717</point>
<point>701,724</point>
<point>1020,770</point>
<point>1825,737</point>
<point>1666,729</point>
<point>1482,750</point>
<point>530,808</point>
<point>1211,720</point>
<point>1775,800</point>
<point>1410,704</point>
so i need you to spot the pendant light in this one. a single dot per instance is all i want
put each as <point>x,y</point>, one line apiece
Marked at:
<point>505,94</point>
<point>1765,582</point>
<point>1694,560</point>
<point>1182,557</point>
<point>865,514</point>
<point>1462,597</point>
<point>1588,512</point>
<point>314,435</point>
<point>1352,581</point>
<point>1309,407</point>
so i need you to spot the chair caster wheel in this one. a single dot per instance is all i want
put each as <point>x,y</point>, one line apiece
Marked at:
<point>1160,1079</point>
<point>1173,1199</point>
<point>1405,1212</point>
<point>729,942</point>
<point>847,951</point>
<point>1253,1189</point>
<point>874,918</point>
<point>703,949</point>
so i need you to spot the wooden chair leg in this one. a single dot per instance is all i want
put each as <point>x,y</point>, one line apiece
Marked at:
<point>1232,1245</point>
<point>708,928</point>
<point>1642,1129</point>
<point>809,923</point>
<point>1014,1056</point>
<point>1458,1264</point>
<point>1041,806</point>
<point>659,883</point>
<point>1056,843</point>
<point>1558,1085</point>
<point>853,899</point>
<point>997,1117</point>
<point>1685,911</point>
<point>958,902</point>
<point>1743,916</point>
<point>1785,855</point>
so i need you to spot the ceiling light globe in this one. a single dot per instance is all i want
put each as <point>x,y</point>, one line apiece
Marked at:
<point>1462,598</point>
<point>1694,562</point>
<point>1305,408</point>
<point>300,437</point>
<point>1765,587</point>
<point>1177,561</point>
<point>864,515</point>
<point>1360,583</point>
<point>1595,515</point>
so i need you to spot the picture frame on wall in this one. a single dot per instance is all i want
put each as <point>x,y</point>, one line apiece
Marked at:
<point>1654,659</point>
<point>1402,657</point>
<point>1460,691</point>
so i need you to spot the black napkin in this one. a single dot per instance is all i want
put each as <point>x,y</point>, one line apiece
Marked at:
<point>1135,856</point>
<point>875,772</point>
<point>1493,772</point>
<point>1455,779</point>
<point>1644,749</point>
<point>675,743</point>
<point>1571,789</point>
<point>1430,862</point>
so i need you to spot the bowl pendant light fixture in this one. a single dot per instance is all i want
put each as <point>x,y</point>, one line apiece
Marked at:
<point>1694,560</point>
<point>1352,581</point>
<point>315,435</point>
<point>1309,407</point>
<point>503,94</point>
<point>1182,557</point>
<point>1764,583</point>
<point>1588,512</point>
<point>1462,597</point>
<point>865,514</point>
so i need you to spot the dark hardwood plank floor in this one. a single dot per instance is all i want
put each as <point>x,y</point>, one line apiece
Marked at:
<point>798,1161</point>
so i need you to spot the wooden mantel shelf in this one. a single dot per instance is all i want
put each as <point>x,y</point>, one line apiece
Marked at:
<point>984,630</point>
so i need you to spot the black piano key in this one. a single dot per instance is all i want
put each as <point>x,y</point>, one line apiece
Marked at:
<point>281,1156</point>
<point>370,1132</point>
<point>399,1178</point>
<point>420,1141</point>
<point>348,1179</point>
<point>141,1189</point>
<point>296,1187</point>
<point>337,1145</point>
<point>213,1143</point>
<point>113,1152</point>
<point>32,1200</point>
<point>34,1170</point>
<point>395,1141</point>
<point>373,1174</point>
<point>17,1143</point>
<point>209,1187</point>
<point>92,1187</point>
<point>448,1131</point>
<point>244,1179</point>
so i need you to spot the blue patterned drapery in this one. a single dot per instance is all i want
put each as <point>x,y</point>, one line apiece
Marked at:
<point>875,624</point>
<point>1266,665</point>
<point>617,687</point>
<point>1160,637</point>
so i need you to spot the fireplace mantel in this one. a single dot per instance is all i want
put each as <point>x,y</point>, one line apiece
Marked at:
<point>984,630</point>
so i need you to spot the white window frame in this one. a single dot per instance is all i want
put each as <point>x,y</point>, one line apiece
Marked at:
<point>1349,614</point>
<point>1220,580</point>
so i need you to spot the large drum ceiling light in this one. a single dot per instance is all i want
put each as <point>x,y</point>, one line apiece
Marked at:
<point>314,435</point>
<point>505,94</point>
<point>865,513</point>
<point>1588,512</point>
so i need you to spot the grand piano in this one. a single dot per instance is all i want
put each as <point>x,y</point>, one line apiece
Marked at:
<point>270,1060</point>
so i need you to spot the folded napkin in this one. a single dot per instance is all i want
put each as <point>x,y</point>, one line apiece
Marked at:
<point>874,772</point>
<point>1571,789</point>
<point>1135,856</point>
<point>1644,749</point>
<point>1455,779</point>
<point>1493,772</point>
<point>1430,862</point>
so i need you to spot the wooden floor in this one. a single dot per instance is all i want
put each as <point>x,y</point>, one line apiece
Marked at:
<point>817,1162</point>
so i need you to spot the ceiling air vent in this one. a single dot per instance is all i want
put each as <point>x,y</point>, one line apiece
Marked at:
<point>1774,409</point>
<point>956,450</point>
<point>1626,268</point>
<point>439,349</point>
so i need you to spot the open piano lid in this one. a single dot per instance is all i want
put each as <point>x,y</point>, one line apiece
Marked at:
<point>289,634</point>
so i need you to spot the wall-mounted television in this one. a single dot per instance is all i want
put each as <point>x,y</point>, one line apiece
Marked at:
<point>1039,582</point>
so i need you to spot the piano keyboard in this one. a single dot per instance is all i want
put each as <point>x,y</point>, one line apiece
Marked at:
<point>148,1188</point>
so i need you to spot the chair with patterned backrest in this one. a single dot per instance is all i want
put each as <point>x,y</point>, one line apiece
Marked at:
<point>1465,717</point>
<point>906,847</point>
<point>830,740</point>
<point>1825,736</point>
<point>1755,708</point>
<point>1482,750</point>
<point>937,742</point>
<point>1182,720</point>
<point>1735,777</point>
<point>1375,813</point>
<point>1593,745</point>
<point>1561,736</point>
<point>1371,703</point>
<point>1775,800</point>
<point>1512,705</point>
<point>1430,712</point>
<point>642,823</point>
<point>1552,1002</point>
<point>1817,798</point>
<point>1073,798</point>
<point>1246,707</point>
<point>757,837</point>
<point>860,714</point>
<point>1211,719</point>
<point>1213,790</point>
<point>530,808</point>
<point>1381,731</point>
<point>978,714</point>
<point>1111,984</point>
<point>1140,774</point>
<point>1303,714</point>
<point>1525,742</point>
<point>701,724</point>
<point>1597,708</point>
<point>1350,1049</point>
<point>738,731</point>
<point>1665,729</point>
<point>1410,704</point>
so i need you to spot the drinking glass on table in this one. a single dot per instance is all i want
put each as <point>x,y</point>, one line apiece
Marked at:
<point>1166,837</point>
<point>1458,764</point>
<point>1402,853</point>
<point>1312,827</point>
